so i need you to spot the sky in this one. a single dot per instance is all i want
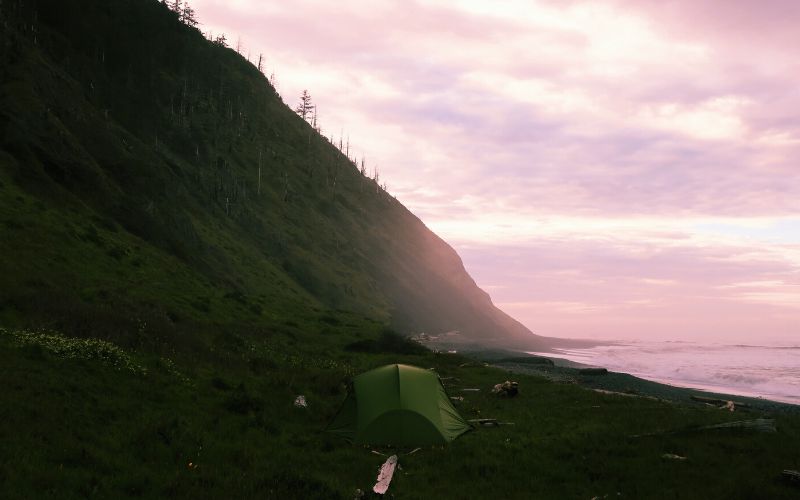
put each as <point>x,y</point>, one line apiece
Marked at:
<point>614,169</point>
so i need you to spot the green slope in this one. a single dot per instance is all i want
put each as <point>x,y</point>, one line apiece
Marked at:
<point>130,155</point>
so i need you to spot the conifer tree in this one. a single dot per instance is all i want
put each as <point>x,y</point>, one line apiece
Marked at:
<point>304,107</point>
<point>188,16</point>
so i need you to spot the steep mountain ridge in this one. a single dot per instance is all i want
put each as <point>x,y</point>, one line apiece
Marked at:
<point>148,175</point>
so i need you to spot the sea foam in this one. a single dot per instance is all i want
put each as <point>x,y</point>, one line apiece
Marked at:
<point>768,371</point>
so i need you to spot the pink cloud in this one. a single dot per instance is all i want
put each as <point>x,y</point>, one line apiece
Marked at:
<point>548,123</point>
<point>679,293</point>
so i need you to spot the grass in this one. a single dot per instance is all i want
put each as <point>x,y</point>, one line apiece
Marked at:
<point>224,425</point>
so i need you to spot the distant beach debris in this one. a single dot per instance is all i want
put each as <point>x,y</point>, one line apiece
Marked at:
<point>720,403</point>
<point>593,371</point>
<point>300,402</point>
<point>507,389</point>
<point>423,337</point>
<point>672,456</point>
<point>630,394</point>
<point>427,337</point>
<point>528,360</point>
<point>469,364</point>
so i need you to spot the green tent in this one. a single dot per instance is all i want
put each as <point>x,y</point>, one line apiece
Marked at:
<point>398,405</point>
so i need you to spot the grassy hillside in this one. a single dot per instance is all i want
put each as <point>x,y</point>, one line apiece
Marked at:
<point>145,169</point>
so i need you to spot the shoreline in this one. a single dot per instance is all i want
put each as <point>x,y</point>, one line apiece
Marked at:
<point>693,385</point>
<point>631,385</point>
<point>547,364</point>
<point>626,383</point>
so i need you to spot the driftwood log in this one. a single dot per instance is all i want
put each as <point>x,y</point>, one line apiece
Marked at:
<point>792,476</point>
<point>385,475</point>
<point>630,395</point>
<point>593,371</point>
<point>757,425</point>
<point>488,422</point>
<point>470,364</point>
<point>718,402</point>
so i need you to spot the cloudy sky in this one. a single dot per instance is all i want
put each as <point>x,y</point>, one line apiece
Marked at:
<point>613,169</point>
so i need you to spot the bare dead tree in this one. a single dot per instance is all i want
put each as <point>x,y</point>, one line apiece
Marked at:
<point>335,175</point>
<point>314,118</point>
<point>259,172</point>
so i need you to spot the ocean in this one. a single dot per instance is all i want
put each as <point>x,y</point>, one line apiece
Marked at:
<point>768,371</point>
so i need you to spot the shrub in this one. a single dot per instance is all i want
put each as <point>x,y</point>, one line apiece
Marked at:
<point>74,348</point>
<point>389,341</point>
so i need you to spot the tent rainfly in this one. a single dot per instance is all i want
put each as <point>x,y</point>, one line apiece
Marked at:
<point>398,405</point>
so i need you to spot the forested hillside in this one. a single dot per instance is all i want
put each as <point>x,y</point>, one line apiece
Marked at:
<point>153,184</point>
